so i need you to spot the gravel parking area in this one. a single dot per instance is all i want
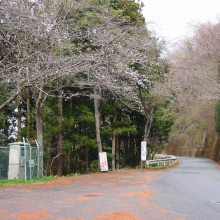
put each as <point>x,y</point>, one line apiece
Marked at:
<point>120,195</point>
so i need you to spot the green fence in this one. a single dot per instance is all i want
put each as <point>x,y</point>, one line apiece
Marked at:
<point>4,160</point>
<point>21,160</point>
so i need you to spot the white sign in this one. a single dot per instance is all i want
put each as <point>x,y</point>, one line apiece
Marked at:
<point>103,161</point>
<point>143,151</point>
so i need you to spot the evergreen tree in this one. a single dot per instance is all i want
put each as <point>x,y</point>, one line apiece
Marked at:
<point>217,118</point>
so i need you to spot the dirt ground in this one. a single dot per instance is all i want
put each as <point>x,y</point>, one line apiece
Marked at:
<point>120,195</point>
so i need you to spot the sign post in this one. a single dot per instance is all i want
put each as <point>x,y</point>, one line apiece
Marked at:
<point>143,152</point>
<point>103,161</point>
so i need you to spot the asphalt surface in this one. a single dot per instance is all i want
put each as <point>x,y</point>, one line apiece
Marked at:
<point>192,189</point>
<point>188,191</point>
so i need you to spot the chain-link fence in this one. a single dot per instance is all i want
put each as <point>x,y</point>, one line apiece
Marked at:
<point>21,160</point>
<point>4,160</point>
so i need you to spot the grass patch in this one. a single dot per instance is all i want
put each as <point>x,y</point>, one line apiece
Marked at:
<point>156,167</point>
<point>16,181</point>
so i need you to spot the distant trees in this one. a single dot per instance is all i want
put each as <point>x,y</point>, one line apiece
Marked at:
<point>195,65</point>
<point>193,85</point>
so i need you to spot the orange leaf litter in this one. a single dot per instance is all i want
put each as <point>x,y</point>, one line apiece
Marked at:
<point>38,214</point>
<point>118,216</point>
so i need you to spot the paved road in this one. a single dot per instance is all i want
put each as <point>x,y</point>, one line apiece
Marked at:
<point>192,189</point>
<point>189,191</point>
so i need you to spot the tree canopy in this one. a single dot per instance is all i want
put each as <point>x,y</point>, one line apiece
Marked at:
<point>80,74</point>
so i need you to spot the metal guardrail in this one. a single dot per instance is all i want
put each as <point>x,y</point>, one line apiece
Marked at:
<point>164,160</point>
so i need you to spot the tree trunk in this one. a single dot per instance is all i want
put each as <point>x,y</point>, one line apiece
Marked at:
<point>97,97</point>
<point>39,123</point>
<point>87,159</point>
<point>117,153</point>
<point>126,149</point>
<point>148,125</point>
<point>113,149</point>
<point>69,152</point>
<point>59,135</point>
<point>39,126</point>
<point>19,122</point>
<point>203,142</point>
<point>114,141</point>
<point>28,115</point>
<point>147,128</point>
<point>68,165</point>
<point>48,159</point>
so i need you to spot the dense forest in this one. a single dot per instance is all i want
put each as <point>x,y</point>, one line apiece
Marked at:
<point>79,76</point>
<point>86,76</point>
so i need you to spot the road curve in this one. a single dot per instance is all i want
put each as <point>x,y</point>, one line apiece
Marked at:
<point>191,189</point>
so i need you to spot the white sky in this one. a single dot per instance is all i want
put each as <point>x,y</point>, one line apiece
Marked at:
<point>171,19</point>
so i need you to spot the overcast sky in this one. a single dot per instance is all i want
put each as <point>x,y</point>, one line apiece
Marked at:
<point>171,19</point>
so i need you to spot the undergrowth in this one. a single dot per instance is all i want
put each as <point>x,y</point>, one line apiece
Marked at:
<point>21,181</point>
